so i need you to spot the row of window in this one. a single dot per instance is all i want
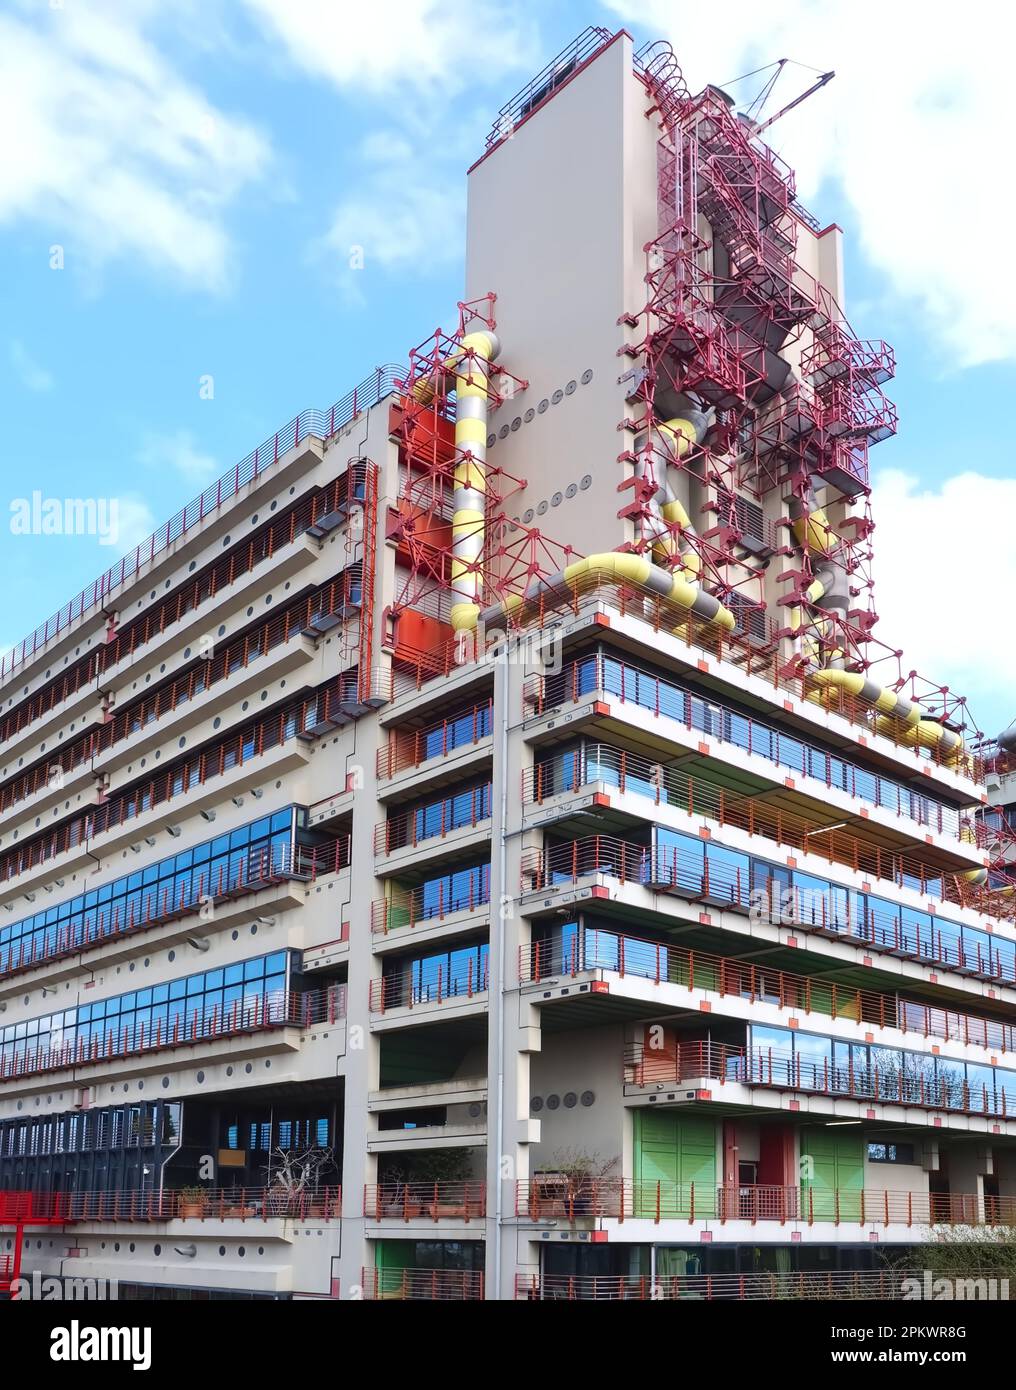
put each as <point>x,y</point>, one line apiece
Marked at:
<point>452,812</point>
<point>207,870</point>
<point>810,1062</point>
<point>457,732</point>
<point>601,671</point>
<point>154,1123</point>
<point>201,1005</point>
<point>731,877</point>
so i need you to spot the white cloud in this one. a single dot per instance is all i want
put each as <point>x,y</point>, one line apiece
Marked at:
<point>945,571</point>
<point>135,522</point>
<point>110,149</point>
<point>421,44</point>
<point>179,453</point>
<point>32,375</point>
<point>914,129</point>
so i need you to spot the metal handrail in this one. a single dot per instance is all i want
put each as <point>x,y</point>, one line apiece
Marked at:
<point>403,992</point>
<point>664,963</point>
<point>263,869</point>
<point>121,1205</point>
<point>668,871</point>
<point>423,1285</point>
<point>278,1009</point>
<point>884,1285</point>
<point>432,1201</point>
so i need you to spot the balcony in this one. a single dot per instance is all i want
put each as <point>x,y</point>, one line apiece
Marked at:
<point>594,950</point>
<point>444,986</point>
<point>129,1206</point>
<point>451,743</point>
<point>264,869</point>
<point>883,1285</point>
<point>423,1285</point>
<point>705,879</point>
<point>426,1201</point>
<point>569,782</point>
<point>267,1013</point>
<point>549,1198</point>
<point>771,1069</point>
<point>633,692</point>
<point>450,825</point>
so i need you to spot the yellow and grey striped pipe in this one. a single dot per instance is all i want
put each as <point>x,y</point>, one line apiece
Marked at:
<point>471,365</point>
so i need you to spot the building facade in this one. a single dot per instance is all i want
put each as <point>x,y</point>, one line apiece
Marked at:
<point>480,849</point>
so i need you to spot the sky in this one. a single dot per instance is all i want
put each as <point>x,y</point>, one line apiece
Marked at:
<point>217,213</point>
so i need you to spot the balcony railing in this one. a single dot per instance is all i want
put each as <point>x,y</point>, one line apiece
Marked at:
<point>552,1198</point>
<point>668,871</point>
<point>279,1009</point>
<point>262,869</point>
<point>423,1285</point>
<point>460,811</point>
<point>419,907</point>
<point>780,1071</point>
<point>593,948</point>
<point>667,785</point>
<point>210,1204</point>
<point>883,1285</point>
<point>403,991</point>
<point>410,748</point>
<point>426,1201</point>
<point>629,684</point>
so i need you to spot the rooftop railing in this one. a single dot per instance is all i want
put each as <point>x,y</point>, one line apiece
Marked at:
<point>322,424</point>
<point>884,1285</point>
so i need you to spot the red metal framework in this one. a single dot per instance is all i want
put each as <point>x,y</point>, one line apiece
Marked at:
<point>726,300</point>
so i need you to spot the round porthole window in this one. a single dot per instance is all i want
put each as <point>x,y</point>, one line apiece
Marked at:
<point>553,1102</point>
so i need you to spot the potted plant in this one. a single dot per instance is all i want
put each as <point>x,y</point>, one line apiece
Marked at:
<point>590,1190</point>
<point>191,1202</point>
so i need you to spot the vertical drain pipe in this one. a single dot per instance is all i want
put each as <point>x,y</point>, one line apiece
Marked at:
<point>471,365</point>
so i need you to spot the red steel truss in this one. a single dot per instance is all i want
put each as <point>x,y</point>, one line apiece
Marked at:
<point>728,310</point>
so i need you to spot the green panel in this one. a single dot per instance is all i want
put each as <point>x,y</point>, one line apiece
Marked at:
<point>394,1254</point>
<point>836,1167</point>
<point>679,1152</point>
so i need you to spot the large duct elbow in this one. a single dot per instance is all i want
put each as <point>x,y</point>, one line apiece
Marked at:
<point>1006,740</point>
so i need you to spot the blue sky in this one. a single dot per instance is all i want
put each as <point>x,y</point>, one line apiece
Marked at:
<point>205,169</point>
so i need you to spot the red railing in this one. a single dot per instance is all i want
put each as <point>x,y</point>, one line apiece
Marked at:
<point>416,907</point>
<point>884,1285</point>
<point>554,1198</point>
<point>303,717</point>
<point>595,949</point>
<point>262,869</point>
<point>660,614</point>
<point>423,1285</point>
<point>430,1201</point>
<point>404,992</point>
<point>598,675</point>
<point>410,748</point>
<point>320,423</point>
<point>783,1071</point>
<point>419,826</point>
<point>667,785</point>
<point>188,1204</point>
<point>279,1009</point>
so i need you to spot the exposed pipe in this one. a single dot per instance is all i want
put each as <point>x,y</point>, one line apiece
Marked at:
<point>469,499</point>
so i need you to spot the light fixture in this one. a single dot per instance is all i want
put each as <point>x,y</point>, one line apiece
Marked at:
<point>30,897</point>
<point>135,849</point>
<point>839,1124</point>
<point>237,800</point>
<point>198,942</point>
<point>256,793</point>
<point>187,1251</point>
<point>825,829</point>
<point>207,815</point>
<point>60,882</point>
<point>264,921</point>
<point>150,841</point>
<point>173,830</point>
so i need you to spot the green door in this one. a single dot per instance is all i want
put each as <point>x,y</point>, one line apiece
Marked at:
<point>675,1164</point>
<point>832,1174</point>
